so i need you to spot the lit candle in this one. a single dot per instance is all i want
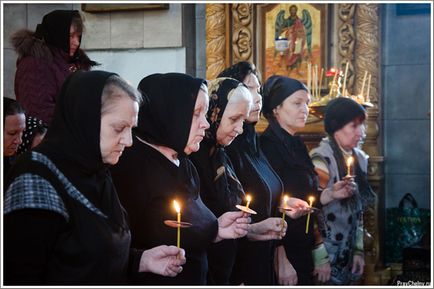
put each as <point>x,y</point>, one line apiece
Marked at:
<point>248,198</point>
<point>308,215</point>
<point>178,215</point>
<point>285,200</point>
<point>349,163</point>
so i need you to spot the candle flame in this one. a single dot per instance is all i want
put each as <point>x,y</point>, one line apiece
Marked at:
<point>248,198</point>
<point>177,207</point>
<point>285,198</point>
<point>311,199</point>
<point>349,161</point>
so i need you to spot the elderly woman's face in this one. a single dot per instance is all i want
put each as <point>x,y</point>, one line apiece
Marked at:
<point>350,135</point>
<point>116,125</point>
<point>198,124</point>
<point>231,124</point>
<point>292,113</point>
<point>252,83</point>
<point>14,127</point>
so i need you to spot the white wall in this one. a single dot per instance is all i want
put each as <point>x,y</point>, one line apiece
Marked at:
<point>133,65</point>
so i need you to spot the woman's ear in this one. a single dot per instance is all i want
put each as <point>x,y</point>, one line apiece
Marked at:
<point>276,110</point>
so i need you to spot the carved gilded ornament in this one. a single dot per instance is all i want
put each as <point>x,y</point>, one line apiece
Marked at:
<point>215,39</point>
<point>347,40</point>
<point>367,48</point>
<point>242,42</point>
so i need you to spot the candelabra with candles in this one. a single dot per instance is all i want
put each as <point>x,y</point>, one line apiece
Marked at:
<point>336,88</point>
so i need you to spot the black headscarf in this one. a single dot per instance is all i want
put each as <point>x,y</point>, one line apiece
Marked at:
<point>55,27</point>
<point>220,90</point>
<point>73,140</point>
<point>167,118</point>
<point>277,89</point>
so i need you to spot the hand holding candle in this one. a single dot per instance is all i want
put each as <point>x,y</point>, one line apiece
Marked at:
<point>311,199</point>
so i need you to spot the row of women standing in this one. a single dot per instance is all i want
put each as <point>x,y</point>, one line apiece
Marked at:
<point>64,223</point>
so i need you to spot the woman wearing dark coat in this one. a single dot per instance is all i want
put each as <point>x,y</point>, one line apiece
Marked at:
<point>63,222</point>
<point>46,57</point>
<point>156,171</point>
<point>230,103</point>
<point>286,108</point>
<point>254,260</point>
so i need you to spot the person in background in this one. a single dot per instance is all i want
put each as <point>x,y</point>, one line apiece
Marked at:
<point>14,124</point>
<point>46,57</point>
<point>156,171</point>
<point>63,222</point>
<point>342,210</point>
<point>33,134</point>
<point>286,103</point>
<point>254,261</point>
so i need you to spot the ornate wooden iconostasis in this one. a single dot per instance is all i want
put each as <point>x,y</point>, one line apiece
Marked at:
<point>346,33</point>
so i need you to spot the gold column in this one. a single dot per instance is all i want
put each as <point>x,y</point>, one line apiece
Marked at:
<point>367,51</point>
<point>215,39</point>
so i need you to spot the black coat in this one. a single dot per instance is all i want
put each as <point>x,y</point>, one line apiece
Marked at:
<point>65,225</point>
<point>290,159</point>
<point>254,262</point>
<point>147,183</point>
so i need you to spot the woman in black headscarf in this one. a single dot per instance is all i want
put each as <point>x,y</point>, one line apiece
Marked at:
<point>286,109</point>
<point>221,190</point>
<point>46,58</point>
<point>254,263</point>
<point>156,171</point>
<point>63,222</point>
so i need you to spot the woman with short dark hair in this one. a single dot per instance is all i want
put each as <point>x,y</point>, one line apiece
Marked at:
<point>342,211</point>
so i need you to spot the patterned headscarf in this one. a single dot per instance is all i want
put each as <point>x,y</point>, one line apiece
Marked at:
<point>220,91</point>
<point>33,126</point>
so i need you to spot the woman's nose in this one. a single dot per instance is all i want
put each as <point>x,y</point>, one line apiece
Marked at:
<point>18,140</point>
<point>204,124</point>
<point>239,128</point>
<point>127,140</point>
